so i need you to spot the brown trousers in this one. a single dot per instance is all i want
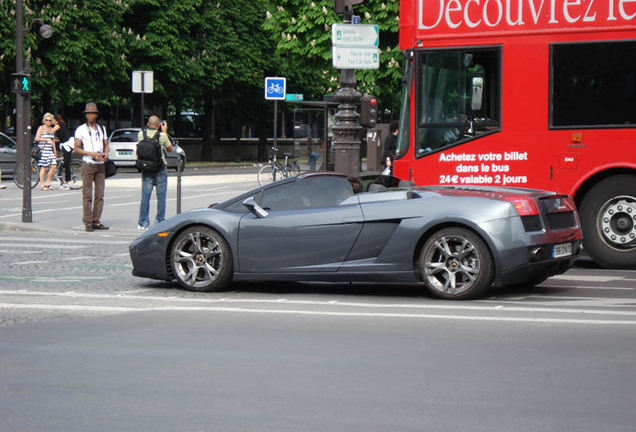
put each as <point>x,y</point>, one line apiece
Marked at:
<point>93,174</point>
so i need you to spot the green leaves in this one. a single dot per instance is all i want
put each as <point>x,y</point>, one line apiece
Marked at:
<point>301,30</point>
<point>198,49</point>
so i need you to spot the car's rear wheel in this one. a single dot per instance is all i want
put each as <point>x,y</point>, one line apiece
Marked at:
<point>455,263</point>
<point>201,259</point>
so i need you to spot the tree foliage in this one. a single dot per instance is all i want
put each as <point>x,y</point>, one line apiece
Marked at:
<point>302,32</point>
<point>86,57</point>
<point>199,50</point>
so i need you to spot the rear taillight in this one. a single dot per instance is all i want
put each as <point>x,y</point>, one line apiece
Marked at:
<point>524,206</point>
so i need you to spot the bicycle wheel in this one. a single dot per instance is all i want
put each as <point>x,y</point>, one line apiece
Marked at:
<point>293,169</point>
<point>18,175</point>
<point>76,175</point>
<point>266,175</point>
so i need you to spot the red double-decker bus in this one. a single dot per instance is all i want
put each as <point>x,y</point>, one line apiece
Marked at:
<point>526,93</point>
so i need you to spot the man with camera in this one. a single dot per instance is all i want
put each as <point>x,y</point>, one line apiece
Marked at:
<point>91,143</point>
<point>159,178</point>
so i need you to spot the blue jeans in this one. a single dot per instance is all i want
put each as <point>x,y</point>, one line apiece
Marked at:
<point>313,158</point>
<point>148,180</point>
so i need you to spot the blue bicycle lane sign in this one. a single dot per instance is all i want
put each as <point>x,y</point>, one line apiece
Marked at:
<point>275,88</point>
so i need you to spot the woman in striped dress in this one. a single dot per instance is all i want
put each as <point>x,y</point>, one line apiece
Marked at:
<point>44,138</point>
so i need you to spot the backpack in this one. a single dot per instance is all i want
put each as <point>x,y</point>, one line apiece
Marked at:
<point>149,154</point>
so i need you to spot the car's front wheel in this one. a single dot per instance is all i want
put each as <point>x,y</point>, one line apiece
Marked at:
<point>201,259</point>
<point>455,263</point>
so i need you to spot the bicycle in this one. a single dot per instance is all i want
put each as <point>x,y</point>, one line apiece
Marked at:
<point>274,170</point>
<point>58,175</point>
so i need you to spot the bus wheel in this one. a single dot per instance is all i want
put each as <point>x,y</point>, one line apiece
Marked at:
<point>608,219</point>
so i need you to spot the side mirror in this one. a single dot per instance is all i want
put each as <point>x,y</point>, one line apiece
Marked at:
<point>254,208</point>
<point>477,93</point>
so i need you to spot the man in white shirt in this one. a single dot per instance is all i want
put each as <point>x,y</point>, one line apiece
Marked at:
<point>91,143</point>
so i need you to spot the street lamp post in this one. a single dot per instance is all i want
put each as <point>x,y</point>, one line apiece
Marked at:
<point>346,131</point>
<point>21,124</point>
<point>23,107</point>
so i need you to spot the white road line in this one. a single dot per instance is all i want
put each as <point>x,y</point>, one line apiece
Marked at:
<point>584,278</point>
<point>321,313</point>
<point>548,285</point>
<point>557,302</point>
<point>42,246</point>
<point>59,240</point>
<point>43,211</point>
<point>70,307</point>
<point>483,307</point>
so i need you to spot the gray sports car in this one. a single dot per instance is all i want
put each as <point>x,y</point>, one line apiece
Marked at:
<point>456,241</point>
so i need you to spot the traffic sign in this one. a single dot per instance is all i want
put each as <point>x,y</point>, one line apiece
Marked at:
<point>356,58</point>
<point>355,35</point>
<point>275,88</point>
<point>143,81</point>
<point>20,83</point>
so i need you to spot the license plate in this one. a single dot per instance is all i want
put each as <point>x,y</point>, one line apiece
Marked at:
<point>562,250</point>
<point>124,152</point>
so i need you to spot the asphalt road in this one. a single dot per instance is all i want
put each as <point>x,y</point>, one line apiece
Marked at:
<point>237,371</point>
<point>85,346</point>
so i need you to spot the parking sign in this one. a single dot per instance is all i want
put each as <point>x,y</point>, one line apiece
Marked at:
<point>275,88</point>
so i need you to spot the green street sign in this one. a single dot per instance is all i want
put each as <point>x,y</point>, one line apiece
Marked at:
<point>355,35</point>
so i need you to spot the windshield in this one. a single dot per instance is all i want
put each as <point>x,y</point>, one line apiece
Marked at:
<point>125,136</point>
<point>457,97</point>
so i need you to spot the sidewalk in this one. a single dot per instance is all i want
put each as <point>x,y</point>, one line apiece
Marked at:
<point>61,211</point>
<point>58,211</point>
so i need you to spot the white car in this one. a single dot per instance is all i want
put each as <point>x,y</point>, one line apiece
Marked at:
<point>123,149</point>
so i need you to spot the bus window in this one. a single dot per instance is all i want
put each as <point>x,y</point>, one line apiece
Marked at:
<point>593,84</point>
<point>459,94</point>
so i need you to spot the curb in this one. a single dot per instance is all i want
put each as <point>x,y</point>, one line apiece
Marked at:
<point>36,227</point>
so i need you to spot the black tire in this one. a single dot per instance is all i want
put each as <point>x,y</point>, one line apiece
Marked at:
<point>608,219</point>
<point>201,260</point>
<point>18,177</point>
<point>456,264</point>
<point>75,182</point>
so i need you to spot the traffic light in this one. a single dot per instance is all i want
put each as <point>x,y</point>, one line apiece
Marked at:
<point>368,111</point>
<point>21,83</point>
<point>341,5</point>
